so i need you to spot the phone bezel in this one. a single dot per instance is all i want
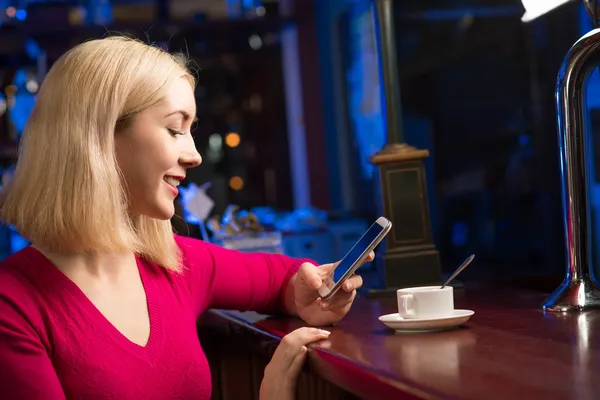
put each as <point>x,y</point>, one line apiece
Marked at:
<point>386,225</point>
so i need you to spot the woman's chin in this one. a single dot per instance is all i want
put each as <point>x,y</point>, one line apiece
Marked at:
<point>161,209</point>
<point>162,212</point>
<point>166,215</point>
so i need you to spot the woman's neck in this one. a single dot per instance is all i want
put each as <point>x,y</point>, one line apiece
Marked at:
<point>101,266</point>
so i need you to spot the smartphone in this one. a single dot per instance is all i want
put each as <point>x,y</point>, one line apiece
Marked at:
<point>356,256</point>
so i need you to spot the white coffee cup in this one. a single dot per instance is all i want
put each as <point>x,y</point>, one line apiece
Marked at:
<point>425,302</point>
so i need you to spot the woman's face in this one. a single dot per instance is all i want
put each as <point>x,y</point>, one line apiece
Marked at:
<point>155,152</point>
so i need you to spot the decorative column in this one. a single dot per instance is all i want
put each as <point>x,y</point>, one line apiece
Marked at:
<point>411,258</point>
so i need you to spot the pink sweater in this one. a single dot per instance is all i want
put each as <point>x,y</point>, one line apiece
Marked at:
<point>55,344</point>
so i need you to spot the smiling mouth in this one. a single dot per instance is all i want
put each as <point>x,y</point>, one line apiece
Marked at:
<point>172,181</point>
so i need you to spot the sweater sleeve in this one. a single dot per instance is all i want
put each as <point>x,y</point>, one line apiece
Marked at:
<point>228,279</point>
<point>26,371</point>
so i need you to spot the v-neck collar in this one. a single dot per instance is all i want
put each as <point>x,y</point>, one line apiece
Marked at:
<point>147,352</point>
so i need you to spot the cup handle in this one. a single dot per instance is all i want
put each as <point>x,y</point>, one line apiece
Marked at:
<point>408,301</point>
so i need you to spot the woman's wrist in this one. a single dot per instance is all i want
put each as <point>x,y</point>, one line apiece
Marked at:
<point>289,297</point>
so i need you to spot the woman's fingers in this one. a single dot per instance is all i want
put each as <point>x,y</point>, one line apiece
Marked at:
<point>291,345</point>
<point>353,283</point>
<point>345,296</point>
<point>294,370</point>
<point>341,300</point>
<point>303,336</point>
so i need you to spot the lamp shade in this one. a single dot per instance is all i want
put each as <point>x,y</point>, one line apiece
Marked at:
<point>537,8</point>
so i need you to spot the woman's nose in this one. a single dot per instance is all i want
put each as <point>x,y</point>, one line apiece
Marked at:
<point>190,157</point>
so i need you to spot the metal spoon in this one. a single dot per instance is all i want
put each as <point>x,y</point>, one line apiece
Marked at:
<point>464,265</point>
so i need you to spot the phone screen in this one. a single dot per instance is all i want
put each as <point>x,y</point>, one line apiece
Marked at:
<point>354,254</point>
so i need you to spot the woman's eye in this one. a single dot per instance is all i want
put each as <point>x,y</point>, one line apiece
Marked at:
<point>175,132</point>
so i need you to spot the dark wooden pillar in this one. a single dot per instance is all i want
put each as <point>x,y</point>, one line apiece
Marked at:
<point>410,258</point>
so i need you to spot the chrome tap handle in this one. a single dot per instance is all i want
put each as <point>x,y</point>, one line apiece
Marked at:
<point>579,290</point>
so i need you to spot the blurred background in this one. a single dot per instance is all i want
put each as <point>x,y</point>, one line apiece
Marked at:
<point>290,110</point>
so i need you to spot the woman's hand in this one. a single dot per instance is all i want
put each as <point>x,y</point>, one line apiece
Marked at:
<point>304,297</point>
<point>281,374</point>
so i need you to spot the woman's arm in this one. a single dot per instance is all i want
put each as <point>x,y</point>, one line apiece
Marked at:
<point>26,372</point>
<point>228,279</point>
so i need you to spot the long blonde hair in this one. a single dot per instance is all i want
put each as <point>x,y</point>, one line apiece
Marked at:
<point>67,194</point>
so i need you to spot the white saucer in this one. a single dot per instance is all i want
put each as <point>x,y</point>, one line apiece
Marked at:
<point>400,324</point>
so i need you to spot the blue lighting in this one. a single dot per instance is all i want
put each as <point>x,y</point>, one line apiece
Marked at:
<point>593,87</point>
<point>17,242</point>
<point>460,234</point>
<point>21,15</point>
<point>367,113</point>
<point>187,193</point>
<point>32,48</point>
<point>523,140</point>
<point>24,102</point>
<point>457,14</point>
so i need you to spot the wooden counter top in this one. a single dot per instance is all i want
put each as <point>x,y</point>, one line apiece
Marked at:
<point>509,349</point>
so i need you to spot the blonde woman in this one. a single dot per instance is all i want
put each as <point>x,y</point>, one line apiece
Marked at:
<point>104,303</point>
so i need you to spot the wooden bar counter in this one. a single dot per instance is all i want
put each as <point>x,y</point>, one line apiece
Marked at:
<point>509,349</point>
